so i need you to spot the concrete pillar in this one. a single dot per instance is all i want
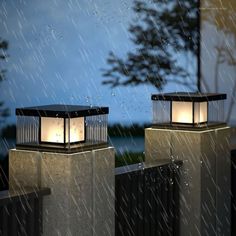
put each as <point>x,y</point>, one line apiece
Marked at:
<point>205,203</point>
<point>82,186</point>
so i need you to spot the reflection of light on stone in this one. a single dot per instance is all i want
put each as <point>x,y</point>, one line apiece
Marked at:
<point>213,8</point>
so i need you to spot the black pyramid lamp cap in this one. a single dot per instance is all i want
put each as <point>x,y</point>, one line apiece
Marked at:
<point>189,97</point>
<point>59,110</point>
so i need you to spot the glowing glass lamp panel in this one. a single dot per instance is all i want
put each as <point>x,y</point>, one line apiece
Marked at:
<point>52,130</point>
<point>200,112</point>
<point>182,112</point>
<point>77,133</point>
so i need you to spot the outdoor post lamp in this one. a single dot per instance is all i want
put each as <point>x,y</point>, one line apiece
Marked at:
<point>65,148</point>
<point>191,127</point>
<point>188,110</point>
<point>61,128</point>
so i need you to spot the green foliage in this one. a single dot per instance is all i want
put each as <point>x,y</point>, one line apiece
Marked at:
<point>129,158</point>
<point>3,56</point>
<point>118,130</point>
<point>162,29</point>
<point>4,112</point>
<point>9,132</point>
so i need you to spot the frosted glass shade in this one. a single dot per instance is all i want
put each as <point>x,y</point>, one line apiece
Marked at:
<point>200,112</point>
<point>52,130</point>
<point>77,133</point>
<point>182,112</point>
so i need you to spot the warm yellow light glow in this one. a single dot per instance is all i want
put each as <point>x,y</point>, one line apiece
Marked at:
<point>76,129</point>
<point>52,130</point>
<point>200,112</point>
<point>182,112</point>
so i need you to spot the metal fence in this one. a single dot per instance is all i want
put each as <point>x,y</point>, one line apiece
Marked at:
<point>21,212</point>
<point>233,190</point>
<point>4,169</point>
<point>147,199</point>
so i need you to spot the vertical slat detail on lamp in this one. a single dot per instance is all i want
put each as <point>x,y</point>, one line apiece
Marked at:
<point>193,113</point>
<point>68,133</point>
<point>39,131</point>
<point>27,129</point>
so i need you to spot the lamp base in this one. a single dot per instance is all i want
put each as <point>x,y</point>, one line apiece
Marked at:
<point>72,148</point>
<point>194,127</point>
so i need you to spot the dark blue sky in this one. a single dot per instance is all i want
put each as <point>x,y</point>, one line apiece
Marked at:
<point>57,50</point>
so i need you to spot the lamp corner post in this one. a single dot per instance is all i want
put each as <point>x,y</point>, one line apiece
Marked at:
<point>197,135</point>
<point>63,147</point>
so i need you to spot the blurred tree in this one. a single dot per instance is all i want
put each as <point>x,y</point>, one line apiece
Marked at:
<point>162,29</point>
<point>4,112</point>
